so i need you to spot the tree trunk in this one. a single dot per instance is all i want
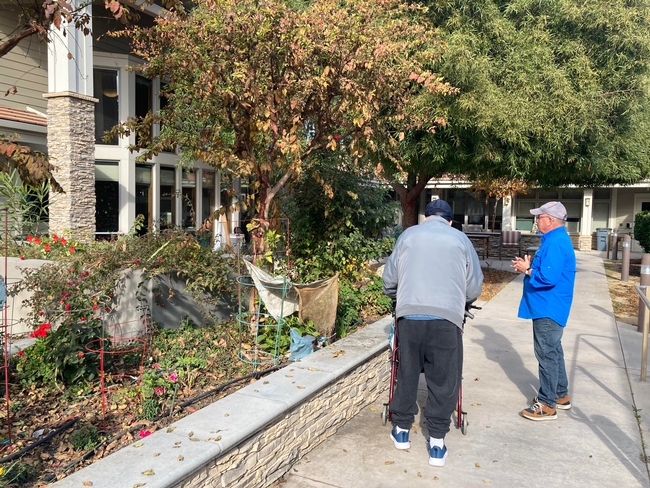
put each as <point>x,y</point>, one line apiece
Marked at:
<point>408,196</point>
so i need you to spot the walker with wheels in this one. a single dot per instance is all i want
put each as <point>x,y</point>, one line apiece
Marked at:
<point>393,340</point>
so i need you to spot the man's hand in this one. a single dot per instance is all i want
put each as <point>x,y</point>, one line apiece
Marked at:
<point>521,265</point>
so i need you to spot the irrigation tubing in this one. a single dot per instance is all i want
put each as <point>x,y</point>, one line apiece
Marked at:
<point>186,403</point>
<point>16,454</point>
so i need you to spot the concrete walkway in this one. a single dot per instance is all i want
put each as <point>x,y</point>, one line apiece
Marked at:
<point>598,443</point>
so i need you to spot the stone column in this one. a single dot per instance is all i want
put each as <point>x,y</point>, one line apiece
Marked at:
<point>71,148</point>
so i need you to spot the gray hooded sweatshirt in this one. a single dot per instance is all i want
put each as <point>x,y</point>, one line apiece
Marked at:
<point>433,270</point>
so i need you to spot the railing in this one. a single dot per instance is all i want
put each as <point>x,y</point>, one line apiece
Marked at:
<point>643,294</point>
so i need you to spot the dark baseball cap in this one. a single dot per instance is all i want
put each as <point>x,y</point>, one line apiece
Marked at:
<point>438,207</point>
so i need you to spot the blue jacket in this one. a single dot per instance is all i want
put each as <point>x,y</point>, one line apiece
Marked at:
<point>548,291</point>
<point>433,270</point>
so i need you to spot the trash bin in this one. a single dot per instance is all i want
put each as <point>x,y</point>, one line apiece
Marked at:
<point>601,238</point>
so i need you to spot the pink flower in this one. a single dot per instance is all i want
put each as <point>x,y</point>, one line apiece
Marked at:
<point>67,306</point>
<point>144,433</point>
<point>159,390</point>
<point>80,354</point>
<point>172,377</point>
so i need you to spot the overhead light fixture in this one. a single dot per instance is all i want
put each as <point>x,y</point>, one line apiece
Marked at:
<point>109,92</point>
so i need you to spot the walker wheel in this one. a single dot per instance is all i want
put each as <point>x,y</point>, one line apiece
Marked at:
<point>463,427</point>
<point>384,414</point>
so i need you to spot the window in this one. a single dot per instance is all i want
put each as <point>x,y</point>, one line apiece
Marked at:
<point>207,195</point>
<point>142,98</point>
<point>143,195</point>
<point>105,89</point>
<point>167,201</point>
<point>188,204</point>
<point>107,207</point>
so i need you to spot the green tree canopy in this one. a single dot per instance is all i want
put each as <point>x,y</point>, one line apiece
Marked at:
<point>550,92</point>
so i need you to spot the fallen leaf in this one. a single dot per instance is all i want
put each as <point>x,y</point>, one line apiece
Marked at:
<point>156,454</point>
<point>226,415</point>
<point>419,475</point>
<point>148,472</point>
<point>477,465</point>
<point>288,376</point>
<point>177,443</point>
<point>190,409</point>
<point>265,382</point>
<point>476,404</point>
<point>181,458</point>
<point>190,434</point>
<point>139,444</point>
<point>138,485</point>
<point>344,450</point>
<point>389,462</point>
<point>170,429</point>
<point>301,387</point>
<point>312,369</point>
<point>195,439</point>
<point>486,481</point>
<point>435,478</point>
<point>373,409</point>
<point>487,426</point>
<point>477,379</point>
<point>87,483</point>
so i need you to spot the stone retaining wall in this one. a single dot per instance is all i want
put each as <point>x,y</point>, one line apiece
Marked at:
<point>269,454</point>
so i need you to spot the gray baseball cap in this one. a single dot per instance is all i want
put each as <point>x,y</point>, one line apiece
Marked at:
<point>554,209</point>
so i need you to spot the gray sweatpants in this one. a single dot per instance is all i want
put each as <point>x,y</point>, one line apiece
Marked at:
<point>435,347</point>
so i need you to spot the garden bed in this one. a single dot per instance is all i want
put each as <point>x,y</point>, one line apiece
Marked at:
<point>181,365</point>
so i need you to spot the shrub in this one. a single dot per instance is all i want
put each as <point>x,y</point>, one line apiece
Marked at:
<point>73,293</point>
<point>84,438</point>
<point>642,229</point>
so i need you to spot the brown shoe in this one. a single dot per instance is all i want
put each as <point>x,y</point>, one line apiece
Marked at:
<point>539,411</point>
<point>563,403</point>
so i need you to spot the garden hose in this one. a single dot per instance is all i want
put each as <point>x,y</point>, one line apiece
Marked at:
<point>16,454</point>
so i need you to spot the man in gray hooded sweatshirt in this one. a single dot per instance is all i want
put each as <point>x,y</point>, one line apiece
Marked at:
<point>432,273</point>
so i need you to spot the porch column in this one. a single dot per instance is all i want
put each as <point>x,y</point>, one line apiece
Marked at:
<point>506,213</point>
<point>71,131</point>
<point>585,238</point>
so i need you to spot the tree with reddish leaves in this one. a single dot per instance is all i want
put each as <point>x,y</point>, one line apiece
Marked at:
<point>256,87</point>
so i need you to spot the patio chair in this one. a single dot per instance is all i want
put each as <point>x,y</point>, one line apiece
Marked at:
<point>510,239</point>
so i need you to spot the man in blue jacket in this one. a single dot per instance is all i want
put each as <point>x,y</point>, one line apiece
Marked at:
<point>432,273</point>
<point>547,298</point>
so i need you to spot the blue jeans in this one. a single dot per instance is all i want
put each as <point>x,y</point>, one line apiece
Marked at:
<point>553,381</point>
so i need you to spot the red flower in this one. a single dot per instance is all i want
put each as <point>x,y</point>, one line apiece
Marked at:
<point>22,257</point>
<point>55,238</point>
<point>46,247</point>
<point>63,241</point>
<point>80,354</point>
<point>67,306</point>
<point>41,313</point>
<point>83,319</point>
<point>95,307</point>
<point>21,352</point>
<point>137,261</point>
<point>160,259</point>
<point>144,433</point>
<point>66,295</point>
<point>29,238</point>
<point>72,249</point>
<point>37,240</point>
<point>45,326</point>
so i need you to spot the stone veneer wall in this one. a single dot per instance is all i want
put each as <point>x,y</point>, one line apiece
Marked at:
<point>266,456</point>
<point>71,148</point>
